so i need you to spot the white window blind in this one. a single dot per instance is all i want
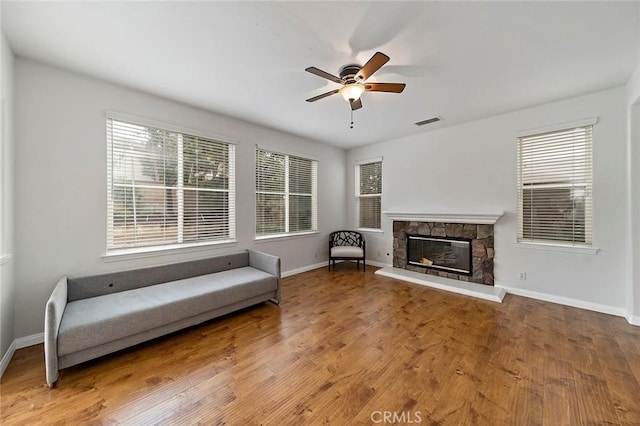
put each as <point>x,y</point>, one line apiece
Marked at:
<point>286,187</point>
<point>166,187</point>
<point>369,194</point>
<point>555,202</point>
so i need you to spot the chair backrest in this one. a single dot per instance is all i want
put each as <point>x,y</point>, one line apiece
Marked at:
<point>345,238</point>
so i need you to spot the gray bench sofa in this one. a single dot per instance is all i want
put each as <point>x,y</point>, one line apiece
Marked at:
<point>89,317</point>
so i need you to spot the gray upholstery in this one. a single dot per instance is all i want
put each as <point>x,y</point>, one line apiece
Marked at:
<point>52,318</point>
<point>65,361</point>
<point>269,264</point>
<point>85,318</point>
<point>98,285</point>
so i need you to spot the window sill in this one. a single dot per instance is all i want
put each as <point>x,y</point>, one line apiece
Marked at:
<point>142,252</point>
<point>557,247</point>
<point>370,230</point>
<point>276,237</point>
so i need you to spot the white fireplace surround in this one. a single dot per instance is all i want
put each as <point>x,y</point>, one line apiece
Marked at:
<point>476,218</point>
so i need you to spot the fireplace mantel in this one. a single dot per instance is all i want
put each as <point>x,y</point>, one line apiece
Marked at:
<point>477,218</point>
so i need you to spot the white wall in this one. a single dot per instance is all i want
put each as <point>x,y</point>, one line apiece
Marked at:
<point>6,198</point>
<point>471,168</point>
<point>61,182</point>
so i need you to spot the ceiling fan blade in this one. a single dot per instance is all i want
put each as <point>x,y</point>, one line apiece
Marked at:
<point>324,95</point>
<point>373,65</point>
<point>356,104</point>
<point>385,87</point>
<point>324,74</point>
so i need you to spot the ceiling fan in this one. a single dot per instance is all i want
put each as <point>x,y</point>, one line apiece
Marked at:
<point>353,80</point>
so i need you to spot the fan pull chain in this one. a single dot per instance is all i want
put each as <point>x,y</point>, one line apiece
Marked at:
<point>351,127</point>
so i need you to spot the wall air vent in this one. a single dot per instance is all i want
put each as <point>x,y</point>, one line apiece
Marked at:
<point>428,121</point>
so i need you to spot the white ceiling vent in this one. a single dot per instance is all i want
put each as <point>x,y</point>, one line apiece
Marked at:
<point>428,121</point>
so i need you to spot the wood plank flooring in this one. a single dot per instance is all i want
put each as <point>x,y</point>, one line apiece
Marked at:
<point>347,347</point>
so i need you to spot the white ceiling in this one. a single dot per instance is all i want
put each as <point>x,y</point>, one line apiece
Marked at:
<point>460,60</point>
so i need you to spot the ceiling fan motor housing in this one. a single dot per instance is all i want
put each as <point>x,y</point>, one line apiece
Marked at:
<point>348,73</point>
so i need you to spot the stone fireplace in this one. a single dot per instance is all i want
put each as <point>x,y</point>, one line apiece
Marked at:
<point>460,251</point>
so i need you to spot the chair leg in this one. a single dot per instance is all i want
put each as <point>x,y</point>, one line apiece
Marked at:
<point>364,265</point>
<point>358,264</point>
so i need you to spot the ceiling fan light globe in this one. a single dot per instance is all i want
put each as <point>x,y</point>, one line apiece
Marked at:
<point>352,92</point>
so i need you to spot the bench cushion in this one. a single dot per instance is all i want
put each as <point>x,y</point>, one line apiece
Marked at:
<point>94,321</point>
<point>346,251</point>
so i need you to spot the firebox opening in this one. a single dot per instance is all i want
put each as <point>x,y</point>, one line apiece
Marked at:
<point>443,253</point>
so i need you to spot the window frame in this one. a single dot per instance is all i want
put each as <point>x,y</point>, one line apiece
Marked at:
<point>358,195</point>
<point>566,245</point>
<point>286,194</point>
<point>116,253</point>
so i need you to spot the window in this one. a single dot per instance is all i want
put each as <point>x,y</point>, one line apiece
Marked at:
<point>167,187</point>
<point>369,194</point>
<point>286,187</point>
<point>555,186</point>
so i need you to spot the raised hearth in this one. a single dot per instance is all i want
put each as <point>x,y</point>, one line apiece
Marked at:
<point>485,292</point>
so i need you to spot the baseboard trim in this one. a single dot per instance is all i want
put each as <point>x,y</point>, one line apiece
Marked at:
<point>6,359</point>
<point>325,264</point>
<point>19,343</point>
<point>590,306</point>
<point>303,269</point>
<point>31,340</point>
<point>379,264</point>
<point>633,320</point>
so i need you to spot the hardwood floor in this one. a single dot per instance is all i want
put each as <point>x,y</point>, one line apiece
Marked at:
<point>351,348</point>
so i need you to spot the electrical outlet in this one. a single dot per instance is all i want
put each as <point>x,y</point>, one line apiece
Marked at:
<point>522,276</point>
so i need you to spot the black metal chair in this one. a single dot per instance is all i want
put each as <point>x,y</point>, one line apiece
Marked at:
<point>346,245</point>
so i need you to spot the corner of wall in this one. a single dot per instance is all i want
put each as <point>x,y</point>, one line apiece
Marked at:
<point>7,285</point>
<point>633,169</point>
